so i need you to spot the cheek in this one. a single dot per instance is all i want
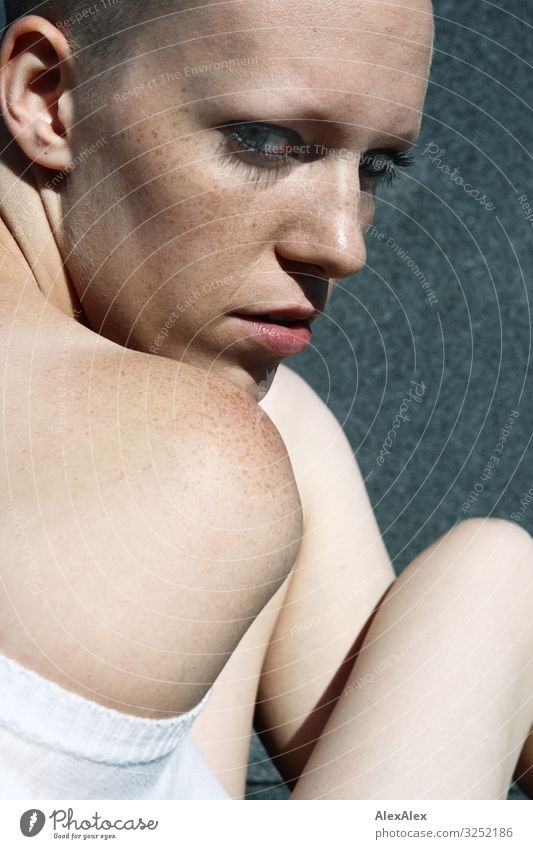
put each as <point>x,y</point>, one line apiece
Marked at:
<point>207,235</point>
<point>174,221</point>
<point>181,192</point>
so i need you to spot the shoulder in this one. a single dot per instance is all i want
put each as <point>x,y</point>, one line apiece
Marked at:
<point>152,496</point>
<point>120,419</point>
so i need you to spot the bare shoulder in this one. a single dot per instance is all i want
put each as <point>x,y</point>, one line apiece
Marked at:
<point>151,514</point>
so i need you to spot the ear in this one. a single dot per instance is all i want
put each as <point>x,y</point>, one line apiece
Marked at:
<point>35,95</point>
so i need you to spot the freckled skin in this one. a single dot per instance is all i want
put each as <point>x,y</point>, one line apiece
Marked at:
<point>158,499</point>
<point>177,212</point>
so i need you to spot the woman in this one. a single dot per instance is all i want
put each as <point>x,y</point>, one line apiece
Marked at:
<point>179,197</point>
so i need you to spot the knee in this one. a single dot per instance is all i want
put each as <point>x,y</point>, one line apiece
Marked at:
<point>496,541</point>
<point>478,556</point>
<point>495,530</point>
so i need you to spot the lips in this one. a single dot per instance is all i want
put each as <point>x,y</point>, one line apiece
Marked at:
<point>280,333</point>
<point>284,314</point>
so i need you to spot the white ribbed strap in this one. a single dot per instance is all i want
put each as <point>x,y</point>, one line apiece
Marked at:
<point>40,710</point>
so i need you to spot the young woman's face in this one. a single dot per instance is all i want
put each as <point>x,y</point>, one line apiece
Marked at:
<point>233,171</point>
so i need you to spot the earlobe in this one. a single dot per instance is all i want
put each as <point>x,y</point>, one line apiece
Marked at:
<point>34,87</point>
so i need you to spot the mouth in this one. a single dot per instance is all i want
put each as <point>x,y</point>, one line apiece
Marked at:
<point>282,333</point>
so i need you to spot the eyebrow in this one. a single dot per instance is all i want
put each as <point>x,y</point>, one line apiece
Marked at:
<point>404,141</point>
<point>294,111</point>
<point>405,136</point>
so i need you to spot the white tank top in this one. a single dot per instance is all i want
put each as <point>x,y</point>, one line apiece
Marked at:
<point>55,744</point>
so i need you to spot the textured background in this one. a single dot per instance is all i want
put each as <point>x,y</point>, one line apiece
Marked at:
<point>472,348</point>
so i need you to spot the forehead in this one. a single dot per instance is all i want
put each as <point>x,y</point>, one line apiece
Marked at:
<point>360,64</point>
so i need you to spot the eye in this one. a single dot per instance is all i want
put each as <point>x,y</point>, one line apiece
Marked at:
<point>380,165</point>
<point>266,145</point>
<point>264,149</point>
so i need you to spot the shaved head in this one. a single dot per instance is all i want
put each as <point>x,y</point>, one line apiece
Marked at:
<point>91,28</point>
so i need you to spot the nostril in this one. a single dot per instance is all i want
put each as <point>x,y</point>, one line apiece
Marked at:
<point>300,268</point>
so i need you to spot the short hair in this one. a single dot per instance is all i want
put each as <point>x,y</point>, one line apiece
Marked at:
<point>90,25</point>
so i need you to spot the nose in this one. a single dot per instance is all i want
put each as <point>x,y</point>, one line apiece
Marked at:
<point>324,227</point>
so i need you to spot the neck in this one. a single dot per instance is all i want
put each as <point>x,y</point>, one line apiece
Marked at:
<point>23,213</point>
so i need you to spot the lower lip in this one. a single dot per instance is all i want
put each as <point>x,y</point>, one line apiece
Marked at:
<point>278,338</point>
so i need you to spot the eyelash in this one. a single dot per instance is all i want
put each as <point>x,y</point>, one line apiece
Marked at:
<point>274,162</point>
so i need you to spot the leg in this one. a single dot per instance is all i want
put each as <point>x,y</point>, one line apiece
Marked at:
<point>440,698</point>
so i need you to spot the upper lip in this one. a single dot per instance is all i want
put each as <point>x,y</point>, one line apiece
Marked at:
<point>292,312</point>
